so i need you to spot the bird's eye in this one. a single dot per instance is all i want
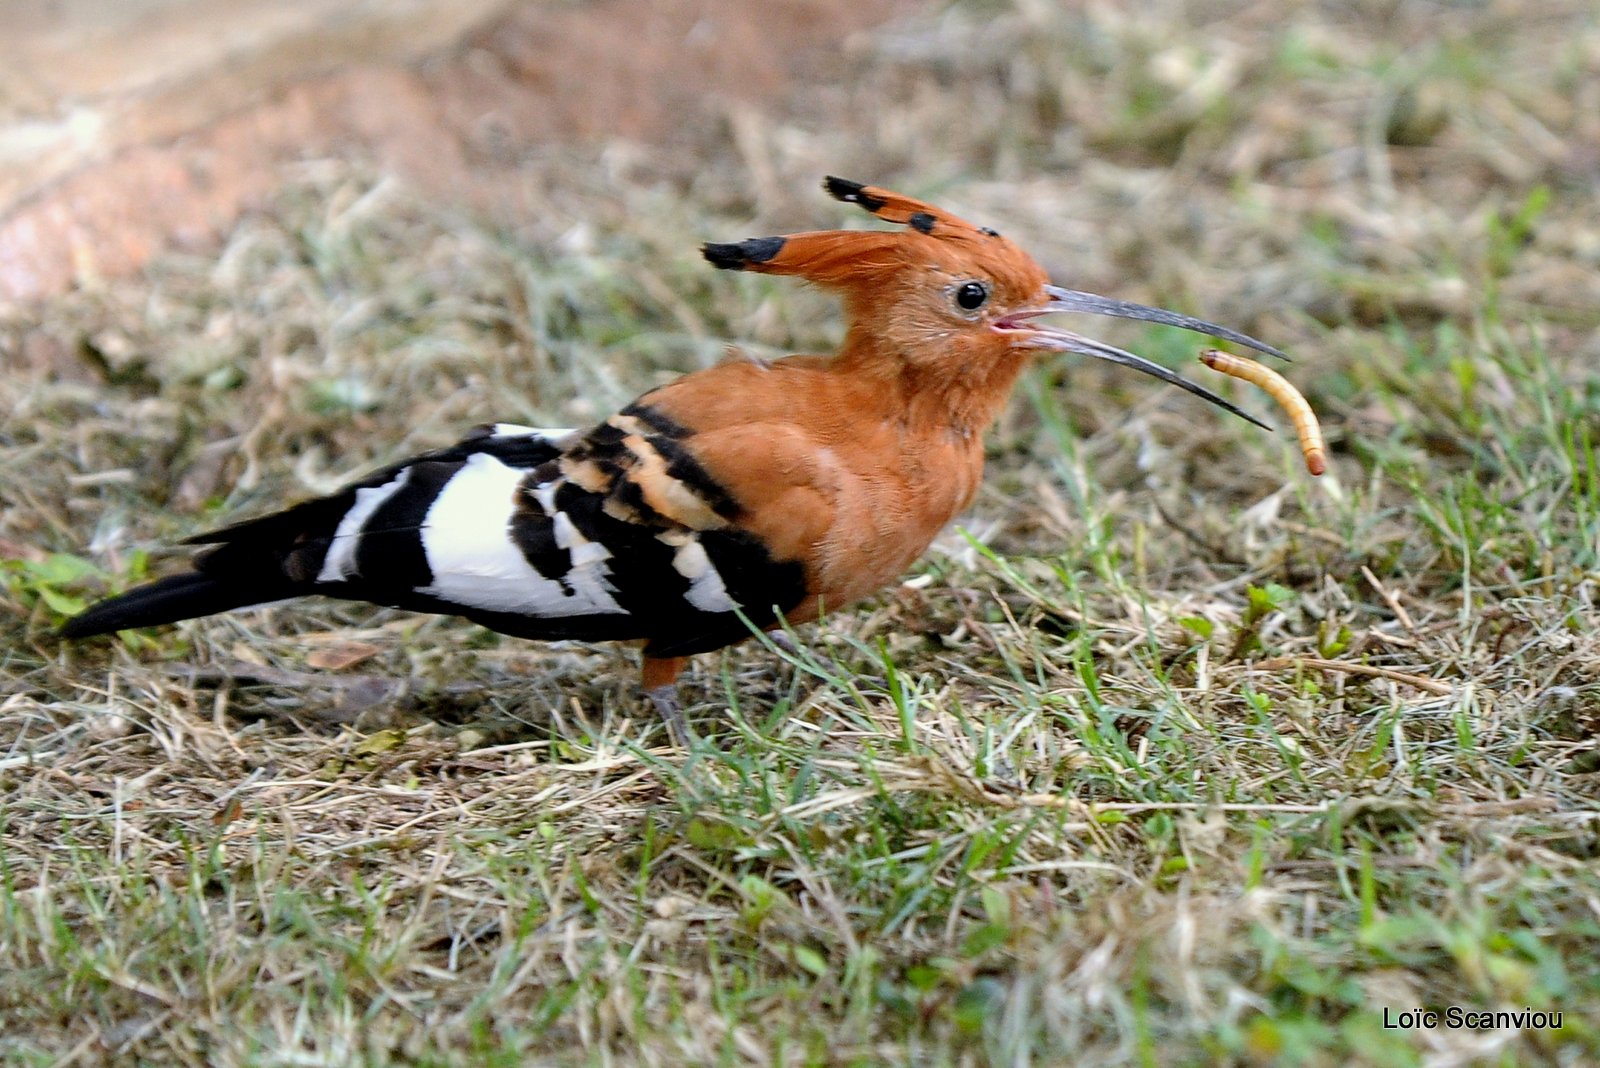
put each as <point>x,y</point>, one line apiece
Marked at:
<point>971,295</point>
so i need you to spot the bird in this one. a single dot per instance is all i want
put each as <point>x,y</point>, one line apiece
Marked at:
<point>741,497</point>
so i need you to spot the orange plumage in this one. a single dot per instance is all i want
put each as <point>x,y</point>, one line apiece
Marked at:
<point>757,492</point>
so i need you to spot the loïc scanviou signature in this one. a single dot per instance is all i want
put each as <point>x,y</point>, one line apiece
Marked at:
<point>1456,1018</point>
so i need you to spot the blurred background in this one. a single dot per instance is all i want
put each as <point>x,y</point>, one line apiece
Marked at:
<point>1387,133</point>
<point>131,127</point>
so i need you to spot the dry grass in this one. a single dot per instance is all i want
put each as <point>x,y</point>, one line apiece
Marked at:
<point>1173,756</point>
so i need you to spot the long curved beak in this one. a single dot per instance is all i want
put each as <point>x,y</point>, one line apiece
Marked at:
<point>1070,300</point>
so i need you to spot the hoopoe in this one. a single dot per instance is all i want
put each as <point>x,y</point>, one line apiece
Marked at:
<point>736,497</point>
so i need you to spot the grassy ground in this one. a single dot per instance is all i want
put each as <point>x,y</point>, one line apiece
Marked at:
<point>1171,755</point>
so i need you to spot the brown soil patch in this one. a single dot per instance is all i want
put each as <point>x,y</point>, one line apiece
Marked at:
<point>458,122</point>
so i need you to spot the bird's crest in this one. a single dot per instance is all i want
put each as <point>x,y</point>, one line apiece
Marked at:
<point>894,207</point>
<point>839,257</point>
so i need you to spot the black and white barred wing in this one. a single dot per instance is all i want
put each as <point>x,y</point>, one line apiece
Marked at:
<point>611,534</point>
<point>423,528</point>
<point>619,533</point>
<point>347,544</point>
<point>476,532</point>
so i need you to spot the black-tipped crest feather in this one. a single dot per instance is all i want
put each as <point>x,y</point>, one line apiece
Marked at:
<point>851,192</point>
<point>737,255</point>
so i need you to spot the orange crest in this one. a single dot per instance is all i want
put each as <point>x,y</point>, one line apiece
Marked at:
<point>933,238</point>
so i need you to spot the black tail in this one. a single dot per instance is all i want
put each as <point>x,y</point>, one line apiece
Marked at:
<point>167,601</point>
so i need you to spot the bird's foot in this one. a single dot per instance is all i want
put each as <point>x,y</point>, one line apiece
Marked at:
<point>670,709</point>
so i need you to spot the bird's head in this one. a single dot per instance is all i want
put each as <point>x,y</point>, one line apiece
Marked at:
<point>948,299</point>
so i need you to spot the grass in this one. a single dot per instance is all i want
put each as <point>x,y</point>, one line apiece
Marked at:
<point>1169,755</point>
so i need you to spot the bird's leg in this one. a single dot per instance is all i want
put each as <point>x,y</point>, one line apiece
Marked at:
<point>670,709</point>
<point>660,679</point>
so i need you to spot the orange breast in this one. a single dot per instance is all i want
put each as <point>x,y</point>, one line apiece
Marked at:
<point>827,469</point>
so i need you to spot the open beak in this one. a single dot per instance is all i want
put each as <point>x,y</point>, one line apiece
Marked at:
<point>1070,300</point>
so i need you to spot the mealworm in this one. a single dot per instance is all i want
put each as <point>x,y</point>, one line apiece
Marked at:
<point>1280,390</point>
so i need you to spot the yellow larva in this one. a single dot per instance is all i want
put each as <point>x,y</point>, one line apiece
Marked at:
<point>1288,398</point>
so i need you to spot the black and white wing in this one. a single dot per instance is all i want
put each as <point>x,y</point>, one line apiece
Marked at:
<point>614,533</point>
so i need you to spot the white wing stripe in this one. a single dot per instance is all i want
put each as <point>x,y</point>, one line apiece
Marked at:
<point>706,590</point>
<point>475,563</point>
<point>545,494</point>
<point>517,430</point>
<point>340,562</point>
<point>589,576</point>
